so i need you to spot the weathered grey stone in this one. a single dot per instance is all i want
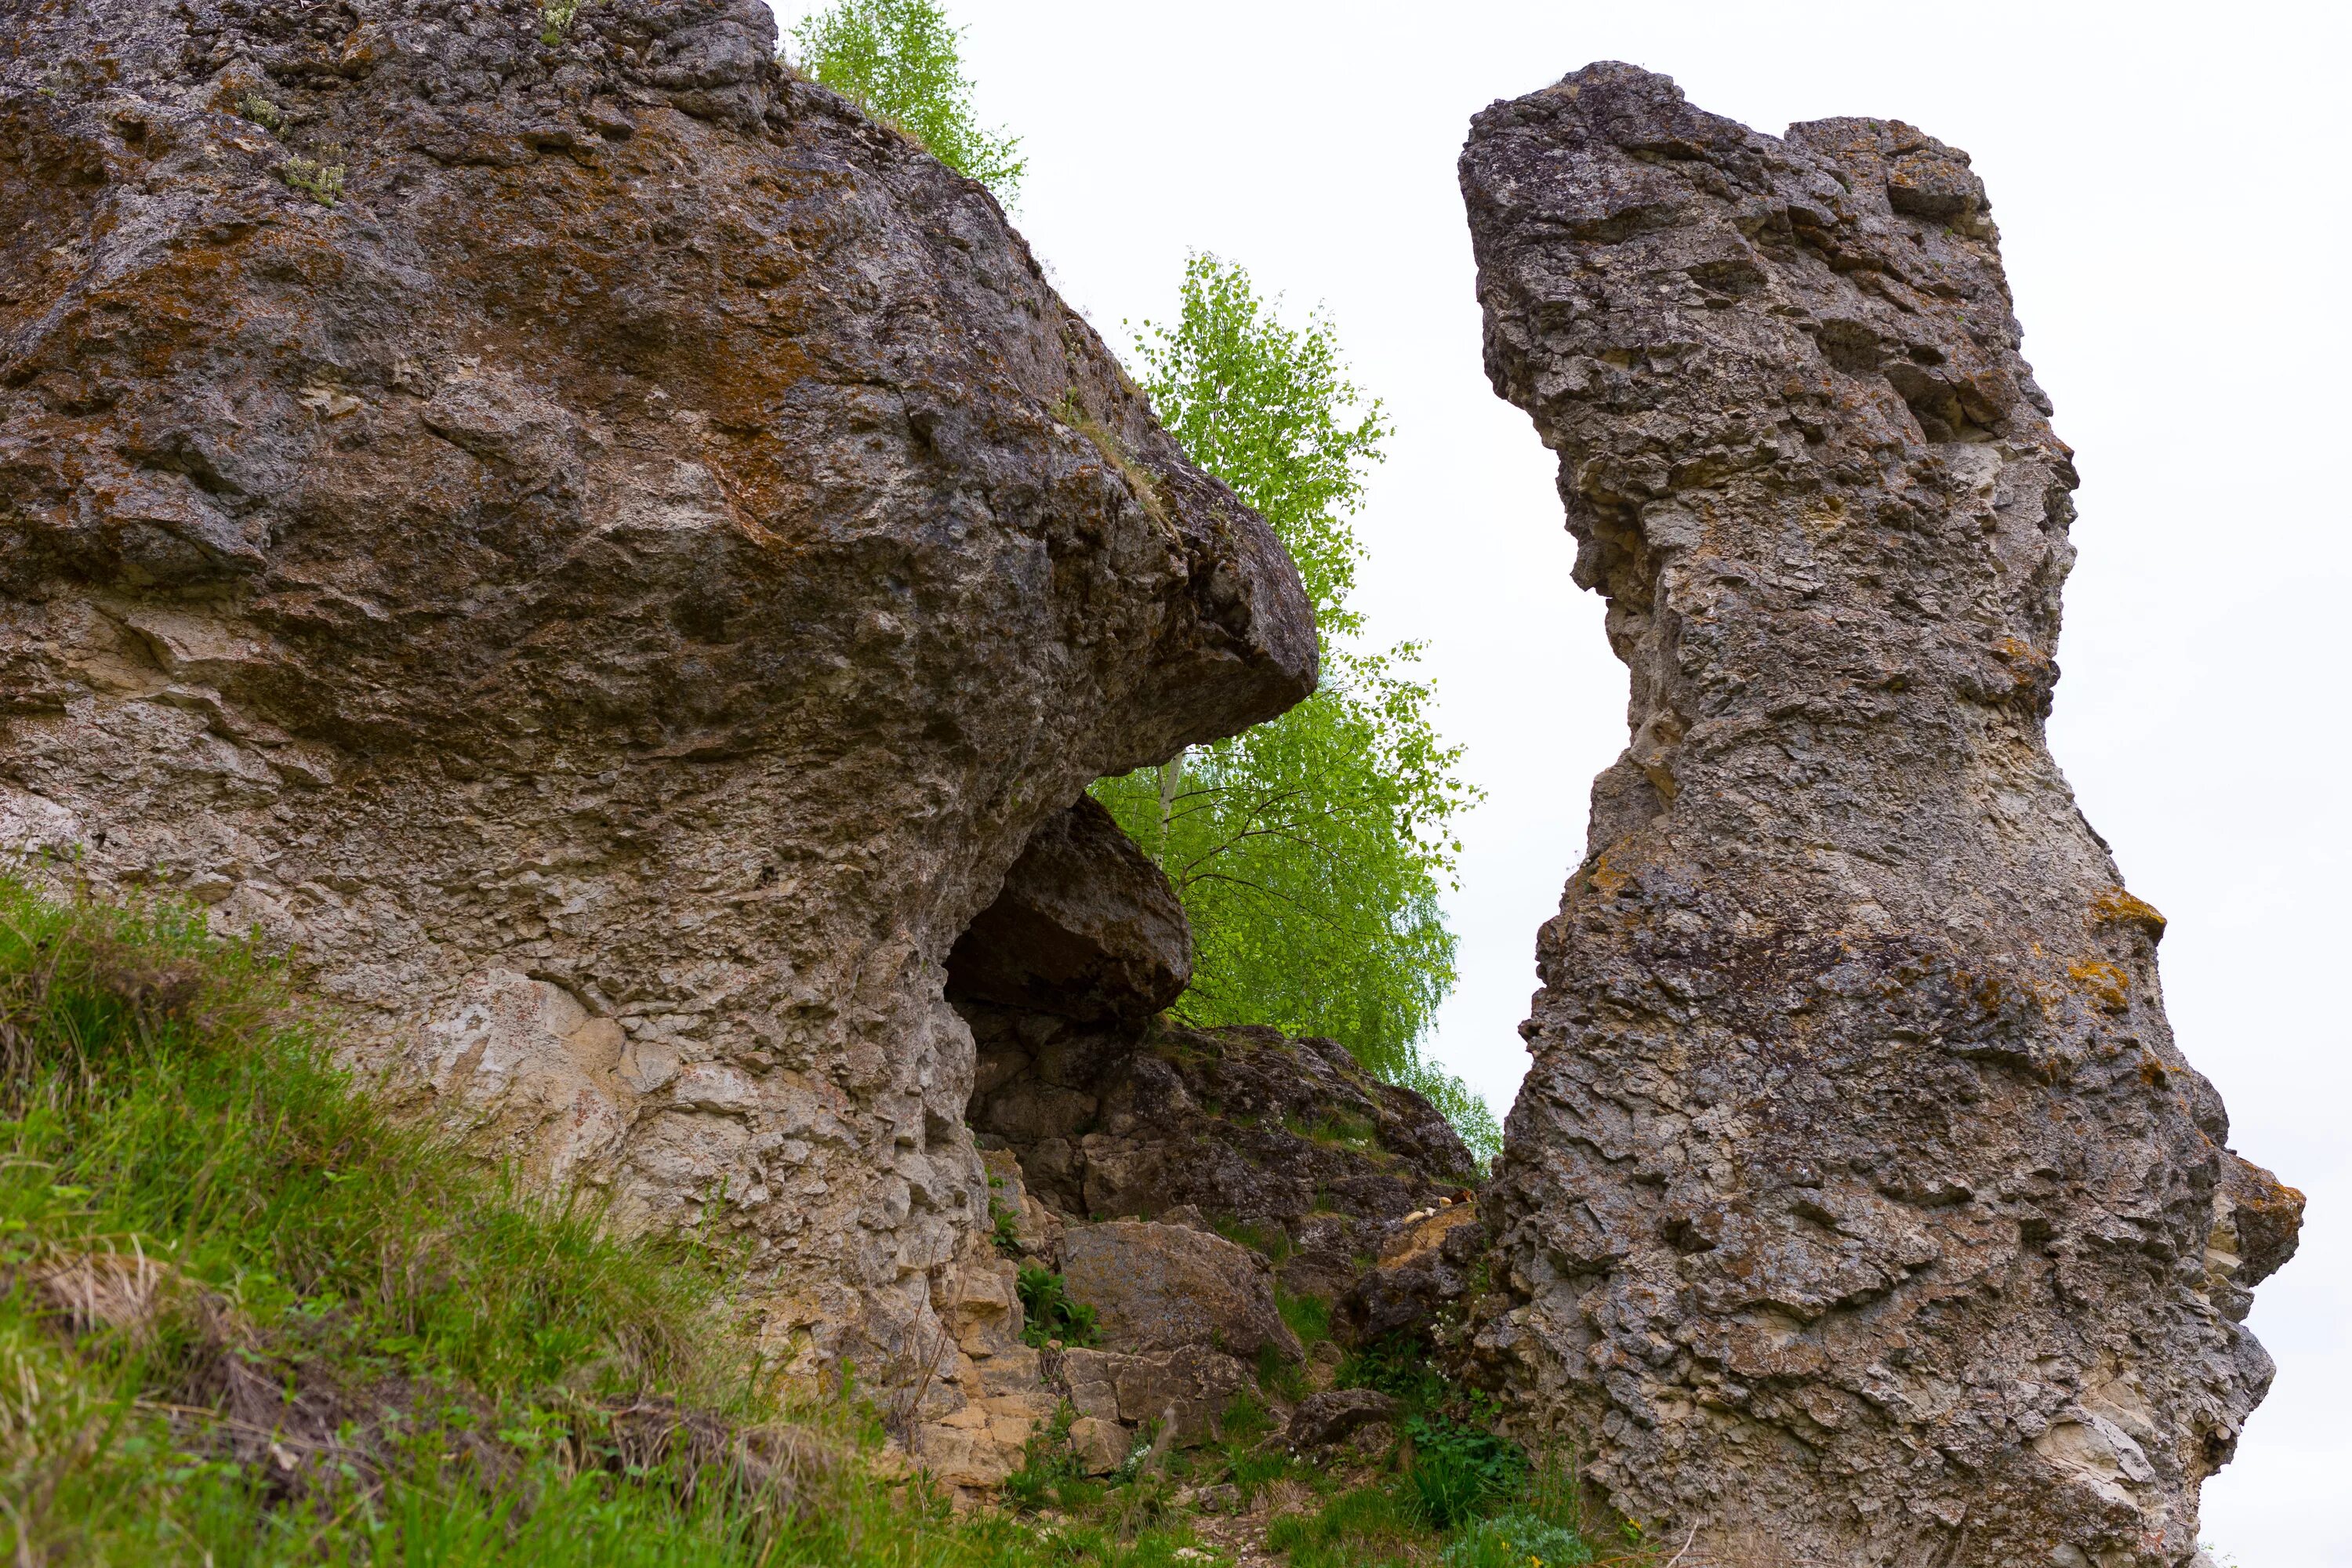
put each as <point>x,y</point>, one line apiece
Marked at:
<point>1239,1123</point>
<point>1086,927</point>
<point>1858,1199</point>
<point>1100,1446</point>
<point>613,594</point>
<point>1125,1393</point>
<point>1336,1415</point>
<point>1167,1287</point>
<point>1184,1390</point>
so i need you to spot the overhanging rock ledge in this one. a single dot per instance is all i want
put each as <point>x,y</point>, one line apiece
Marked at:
<point>614,591</point>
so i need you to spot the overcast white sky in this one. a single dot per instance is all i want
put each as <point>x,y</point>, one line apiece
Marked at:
<point>2169,184</point>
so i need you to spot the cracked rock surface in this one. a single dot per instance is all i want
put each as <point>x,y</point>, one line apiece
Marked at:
<point>1859,1206</point>
<point>613,592</point>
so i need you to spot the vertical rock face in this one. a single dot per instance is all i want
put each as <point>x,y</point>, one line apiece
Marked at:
<point>1858,1206</point>
<point>614,592</point>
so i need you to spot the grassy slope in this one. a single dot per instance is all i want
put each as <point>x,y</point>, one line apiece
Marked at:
<point>247,1318</point>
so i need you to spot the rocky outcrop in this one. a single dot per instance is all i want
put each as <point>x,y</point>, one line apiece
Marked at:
<point>1284,1137</point>
<point>1858,1201</point>
<point>607,555</point>
<point>1419,1283</point>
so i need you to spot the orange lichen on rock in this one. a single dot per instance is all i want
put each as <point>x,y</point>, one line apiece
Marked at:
<point>2110,987</point>
<point>2116,907</point>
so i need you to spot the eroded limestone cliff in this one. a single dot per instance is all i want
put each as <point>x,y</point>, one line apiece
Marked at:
<point>1858,1206</point>
<point>607,554</point>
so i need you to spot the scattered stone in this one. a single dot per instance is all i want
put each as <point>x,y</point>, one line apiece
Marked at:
<point>1858,1199</point>
<point>1336,1415</point>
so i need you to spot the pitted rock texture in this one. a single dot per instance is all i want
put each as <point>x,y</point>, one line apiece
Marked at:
<point>613,593</point>
<point>1290,1140</point>
<point>1858,1204</point>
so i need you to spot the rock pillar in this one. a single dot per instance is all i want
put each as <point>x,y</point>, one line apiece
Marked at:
<point>1859,1208</point>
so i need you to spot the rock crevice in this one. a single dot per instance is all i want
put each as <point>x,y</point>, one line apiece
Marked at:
<point>1858,1203</point>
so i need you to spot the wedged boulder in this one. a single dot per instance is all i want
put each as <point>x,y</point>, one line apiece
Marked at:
<point>612,590</point>
<point>1420,1280</point>
<point>1086,927</point>
<point>1289,1138</point>
<point>1167,1287</point>
<point>1859,1206</point>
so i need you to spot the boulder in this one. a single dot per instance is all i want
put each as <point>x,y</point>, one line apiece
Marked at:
<point>1086,927</point>
<point>1099,1446</point>
<point>1189,1387</point>
<point>611,587</point>
<point>1288,1136</point>
<point>1859,1203</point>
<point>1164,1288</point>
<point>1422,1278</point>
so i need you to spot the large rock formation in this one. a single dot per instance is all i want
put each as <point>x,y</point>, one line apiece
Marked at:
<point>1858,1204</point>
<point>607,554</point>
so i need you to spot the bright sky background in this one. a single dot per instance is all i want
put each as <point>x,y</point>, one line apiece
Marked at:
<point>2171,186</point>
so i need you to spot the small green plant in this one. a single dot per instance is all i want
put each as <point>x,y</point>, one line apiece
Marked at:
<point>1399,1366</point>
<point>556,17</point>
<point>262,112</point>
<point>1459,1470</point>
<point>1275,1246</point>
<point>1309,1317</point>
<point>1003,1221</point>
<point>1279,1375</point>
<point>1051,1314</point>
<point>1517,1541</point>
<point>1336,1131</point>
<point>1246,1417</point>
<point>1049,1462</point>
<point>322,182</point>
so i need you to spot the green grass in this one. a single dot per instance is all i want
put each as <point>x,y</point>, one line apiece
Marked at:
<point>1368,1527</point>
<point>1309,1317</point>
<point>248,1317</point>
<point>1539,1521</point>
